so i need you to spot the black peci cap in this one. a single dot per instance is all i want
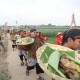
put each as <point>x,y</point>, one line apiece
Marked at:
<point>32,30</point>
<point>73,32</point>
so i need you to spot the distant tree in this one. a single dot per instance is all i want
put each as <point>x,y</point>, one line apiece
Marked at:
<point>53,25</point>
<point>49,24</point>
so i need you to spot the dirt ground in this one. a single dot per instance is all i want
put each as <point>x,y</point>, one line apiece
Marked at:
<point>4,74</point>
<point>17,72</point>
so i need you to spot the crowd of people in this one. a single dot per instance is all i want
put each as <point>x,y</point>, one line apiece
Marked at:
<point>30,54</point>
<point>70,39</point>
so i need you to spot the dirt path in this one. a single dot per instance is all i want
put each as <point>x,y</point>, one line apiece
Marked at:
<point>17,72</point>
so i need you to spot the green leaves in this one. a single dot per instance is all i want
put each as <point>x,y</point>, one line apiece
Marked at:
<point>50,58</point>
<point>13,37</point>
<point>25,41</point>
<point>70,53</point>
<point>45,56</point>
<point>54,61</point>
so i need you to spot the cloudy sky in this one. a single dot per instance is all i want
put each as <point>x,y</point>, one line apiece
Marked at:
<point>35,12</point>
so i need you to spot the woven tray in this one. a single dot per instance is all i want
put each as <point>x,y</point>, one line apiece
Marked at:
<point>39,53</point>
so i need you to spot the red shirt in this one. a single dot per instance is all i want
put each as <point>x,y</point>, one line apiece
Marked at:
<point>58,39</point>
<point>42,38</point>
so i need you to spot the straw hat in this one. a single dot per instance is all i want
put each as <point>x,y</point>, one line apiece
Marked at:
<point>59,33</point>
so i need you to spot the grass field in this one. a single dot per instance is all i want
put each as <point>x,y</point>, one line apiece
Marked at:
<point>50,40</point>
<point>51,32</point>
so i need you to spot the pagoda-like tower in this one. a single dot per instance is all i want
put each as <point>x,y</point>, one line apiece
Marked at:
<point>73,21</point>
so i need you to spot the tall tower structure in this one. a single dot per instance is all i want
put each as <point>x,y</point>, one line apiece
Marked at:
<point>73,20</point>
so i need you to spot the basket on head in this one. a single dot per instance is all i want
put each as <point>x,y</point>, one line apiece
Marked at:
<point>48,57</point>
<point>24,43</point>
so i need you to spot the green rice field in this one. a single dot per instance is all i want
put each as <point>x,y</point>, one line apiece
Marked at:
<point>51,32</point>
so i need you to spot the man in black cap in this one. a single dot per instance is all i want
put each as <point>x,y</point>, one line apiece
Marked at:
<point>32,30</point>
<point>71,38</point>
<point>32,61</point>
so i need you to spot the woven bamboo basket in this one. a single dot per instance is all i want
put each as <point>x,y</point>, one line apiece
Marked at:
<point>13,41</point>
<point>25,46</point>
<point>40,52</point>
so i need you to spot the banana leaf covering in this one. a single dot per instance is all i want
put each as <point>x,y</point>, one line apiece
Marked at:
<point>14,37</point>
<point>48,57</point>
<point>25,41</point>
